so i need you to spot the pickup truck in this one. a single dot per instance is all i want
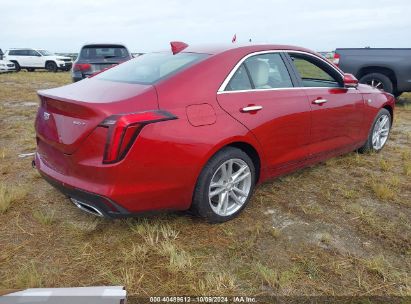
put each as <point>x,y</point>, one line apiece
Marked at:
<point>383,68</point>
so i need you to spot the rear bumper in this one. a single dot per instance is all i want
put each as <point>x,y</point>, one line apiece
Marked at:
<point>77,76</point>
<point>127,185</point>
<point>89,202</point>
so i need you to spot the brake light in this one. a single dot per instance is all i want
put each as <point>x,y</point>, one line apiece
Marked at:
<point>81,67</point>
<point>123,130</point>
<point>336,59</point>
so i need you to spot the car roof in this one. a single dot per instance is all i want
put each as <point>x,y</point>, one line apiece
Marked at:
<point>242,48</point>
<point>103,44</point>
<point>20,49</point>
<point>27,48</point>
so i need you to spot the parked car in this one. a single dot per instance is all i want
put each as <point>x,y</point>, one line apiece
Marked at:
<point>6,66</point>
<point>1,54</point>
<point>94,58</point>
<point>198,128</point>
<point>33,59</point>
<point>384,69</point>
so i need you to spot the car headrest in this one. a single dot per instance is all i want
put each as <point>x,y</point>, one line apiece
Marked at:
<point>259,71</point>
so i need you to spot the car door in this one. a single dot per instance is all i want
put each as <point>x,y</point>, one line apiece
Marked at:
<point>35,59</point>
<point>261,95</point>
<point>337,112</point>
<point>21,57</point>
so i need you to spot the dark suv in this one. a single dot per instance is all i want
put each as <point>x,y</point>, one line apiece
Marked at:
<point>94,58</point>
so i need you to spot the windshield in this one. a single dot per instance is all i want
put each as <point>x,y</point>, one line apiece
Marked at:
<point>45,53</point>
<point>149,68</point>
<point>103,52</point>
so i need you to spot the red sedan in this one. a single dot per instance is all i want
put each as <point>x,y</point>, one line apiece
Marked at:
<point>198,128</point>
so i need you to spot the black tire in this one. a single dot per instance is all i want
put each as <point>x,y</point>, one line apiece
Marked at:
<point>368,146</point>
<point>201,204</point>
<point>17,66</point>
<point>51,66</point>
<point>384,83</point>
<point>30,70</point>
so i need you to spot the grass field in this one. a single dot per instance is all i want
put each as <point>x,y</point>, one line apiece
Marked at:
<point>342,227</point>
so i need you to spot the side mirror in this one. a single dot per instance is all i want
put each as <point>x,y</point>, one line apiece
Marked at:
<point>350,81</point>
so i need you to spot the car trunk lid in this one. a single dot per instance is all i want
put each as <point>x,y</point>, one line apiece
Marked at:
<point>67,115</point>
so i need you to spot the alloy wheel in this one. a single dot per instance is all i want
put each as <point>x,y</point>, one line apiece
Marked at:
<point>375,83</point>
<point>51,67</point>
<point>380,132</point>
<point>230,187</point>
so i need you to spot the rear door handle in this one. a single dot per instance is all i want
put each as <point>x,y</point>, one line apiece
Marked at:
<point>251,109</point>
<point>320,101</point>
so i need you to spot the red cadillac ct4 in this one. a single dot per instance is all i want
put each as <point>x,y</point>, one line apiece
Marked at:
<point>198,128</point>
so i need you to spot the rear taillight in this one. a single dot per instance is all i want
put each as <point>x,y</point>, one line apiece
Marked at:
<point>336,59</point>
<point>81,67</point>
<point>123,130</point>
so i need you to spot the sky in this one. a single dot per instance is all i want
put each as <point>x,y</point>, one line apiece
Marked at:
<point>144,26</point>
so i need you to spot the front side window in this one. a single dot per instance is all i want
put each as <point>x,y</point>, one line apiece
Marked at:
<point>45,53</point>
<point>314,73</point>
<point>265,71</point>
<point>33,53</point>
<point>150,68</point>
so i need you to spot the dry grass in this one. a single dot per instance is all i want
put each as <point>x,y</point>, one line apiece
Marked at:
<point>267,275</point>
<point>383,191</point>
<point>338,228</point>
<point>9,195</point>
<point>28,276</point>
<point>44,217</point>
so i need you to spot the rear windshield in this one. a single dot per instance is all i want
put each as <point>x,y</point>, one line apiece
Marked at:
<point>149,68</point>
<point>103,52</point>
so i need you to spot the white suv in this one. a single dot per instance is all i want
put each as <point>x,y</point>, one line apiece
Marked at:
<point>32,59</point>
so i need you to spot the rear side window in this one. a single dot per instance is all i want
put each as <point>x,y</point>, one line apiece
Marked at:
<point>240,80</point>
<point>265,71</point>
<point>150,68</point>
<point>103,52</point>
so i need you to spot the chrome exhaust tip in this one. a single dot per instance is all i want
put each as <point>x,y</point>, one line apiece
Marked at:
<point>86,207</point>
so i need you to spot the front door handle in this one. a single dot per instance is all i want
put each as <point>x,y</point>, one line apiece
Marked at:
<point>320,101</point>
<point>251,109</point>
